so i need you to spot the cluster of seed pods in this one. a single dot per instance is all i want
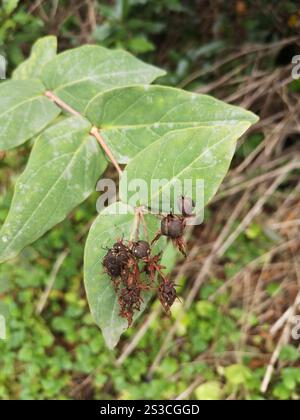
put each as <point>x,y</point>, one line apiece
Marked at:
<point>133,269</point>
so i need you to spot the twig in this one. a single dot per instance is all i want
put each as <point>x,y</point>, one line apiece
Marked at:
<point>44,297</point>
<point>253,264</point>
<point>284,339</point>
<point>283,319</point>
<point>137,337</point>
<point>187,392</point>
<point>250,183</point>
<point>35,5</point>
<point>288,223</point>
<point>245,51</point>
<point>285,336</point>
<point>256,208</point>
<point>56,267</point>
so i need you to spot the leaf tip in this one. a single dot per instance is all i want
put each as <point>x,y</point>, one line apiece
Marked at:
<point>111,339</point>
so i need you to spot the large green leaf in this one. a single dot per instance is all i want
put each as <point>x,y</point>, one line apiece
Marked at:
<point>24,111</point>
<point>77,75</point>
<point>43,51</point>
<point>62,171</point>
<point>131,118</point>
<point>200,153</point>
<point>109,226</point>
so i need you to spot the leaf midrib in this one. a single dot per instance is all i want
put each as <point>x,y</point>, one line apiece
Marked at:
<point>194,124</point>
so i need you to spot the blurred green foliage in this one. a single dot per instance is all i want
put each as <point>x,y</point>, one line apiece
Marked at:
<point>50,355</point>
<point>174,34</point>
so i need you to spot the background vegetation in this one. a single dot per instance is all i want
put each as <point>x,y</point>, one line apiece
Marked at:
<point>240,285</point>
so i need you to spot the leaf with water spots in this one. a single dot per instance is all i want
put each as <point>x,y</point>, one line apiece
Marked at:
<point>113,223</point>
<point>62,171</point>
<point>132,118</point>
<point>43,51</point>
<point>77,75</point>
<point>194,157</point>
<point>24,111</point>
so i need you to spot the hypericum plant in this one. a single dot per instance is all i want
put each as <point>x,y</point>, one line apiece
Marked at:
<point>85,107</point>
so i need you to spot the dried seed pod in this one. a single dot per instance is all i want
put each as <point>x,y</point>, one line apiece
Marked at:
<point>141,249</point>
<point>112,265</point>
<point>172,226</point>
<point>167,294</point>
<point>153,266</point>
<point>130,299</point>
<point>116,259</point>
<point>120,248</point>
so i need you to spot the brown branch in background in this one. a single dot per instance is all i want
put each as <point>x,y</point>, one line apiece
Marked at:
<point>55,270</point>
<point>94,131</point>
<point>91,15</point>
<point>251,49</point>
<point>284,339</point>
<point>286,321</point>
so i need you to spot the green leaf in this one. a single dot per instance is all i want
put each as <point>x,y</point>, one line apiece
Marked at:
<point>62,171</point>
<point>289,353</point>
<point>24,111</point>
<point>237,374</point>
<point>131,118</point>
<point>109,226</point>
<point>281,392</point>
<point>43,51</point>
<point>210,391</point>
<point>77,75</point>
<point>140,45</point>
<point>201,153</point>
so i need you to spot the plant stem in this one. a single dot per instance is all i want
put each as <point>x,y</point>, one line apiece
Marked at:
<point>94,131</point>
<point>62,104</point>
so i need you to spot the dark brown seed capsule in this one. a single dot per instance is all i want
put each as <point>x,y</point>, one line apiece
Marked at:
<point>112,264</point>
<point>141,249</point>
<point>116,259</point>
<point>122,252</point>
<point>172,226</point>
<point>119,247</point>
